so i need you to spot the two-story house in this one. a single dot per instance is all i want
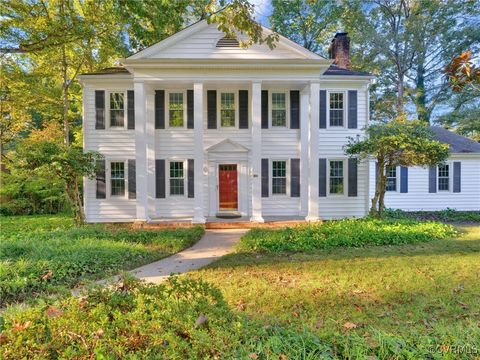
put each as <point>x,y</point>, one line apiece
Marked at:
<point>196,127</point>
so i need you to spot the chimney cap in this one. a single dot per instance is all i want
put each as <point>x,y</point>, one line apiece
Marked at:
<point>340,34</point>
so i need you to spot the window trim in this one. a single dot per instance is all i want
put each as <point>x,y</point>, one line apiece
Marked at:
<point>397,168</point>
<point>345,107</point>
<point>184,162</point>
<point>345,177</point>
<point>167,109</point>
<point>108,178</point>
<point>450,177</point>
<point>219,109</point>
<point>125,106</point>
<point>270,109</point>
<point>287,176</point>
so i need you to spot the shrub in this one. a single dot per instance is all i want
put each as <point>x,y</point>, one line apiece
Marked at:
<point>348,232</point>
<point>447,215</point>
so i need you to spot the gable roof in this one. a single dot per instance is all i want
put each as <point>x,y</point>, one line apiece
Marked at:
<point>198,41</point>
<point>336,70</point>
<point>458,143</point>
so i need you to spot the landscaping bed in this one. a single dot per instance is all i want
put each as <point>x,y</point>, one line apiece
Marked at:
<point>42,255</point>
<point>348,232</point>
<point>447,215</point>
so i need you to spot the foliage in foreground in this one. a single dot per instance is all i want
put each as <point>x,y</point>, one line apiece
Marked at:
<point>348,232</point>
<point>447,215</point>
<point>45,254</point>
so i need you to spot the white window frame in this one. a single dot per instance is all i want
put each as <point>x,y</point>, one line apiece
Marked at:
<point>450,178</point>
<point>107,107</point>
<point>345,107</point>
<point>184,162</point>
<point>270,108</point>
<point>108,178</point>
<point>397,168</point>
<point>287,175</point>
<point>219,108</point>
<point>167,112</point>
<point>345,177</point>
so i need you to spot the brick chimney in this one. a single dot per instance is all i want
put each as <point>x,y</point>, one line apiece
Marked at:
<point>339,50</point>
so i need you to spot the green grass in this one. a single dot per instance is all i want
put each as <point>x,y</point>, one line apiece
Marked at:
<point>42,255</point>
<point>401,300</point>
<point>348,232</point>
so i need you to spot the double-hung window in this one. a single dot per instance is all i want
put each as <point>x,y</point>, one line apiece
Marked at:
<point>337,106</point>
<point>117,178</point>
<point>279,177</point>
<point>336,177</point>
<point>227,109</point>
<point>443,177</point>
<point>391,178</point>
<point>175,109</point>
<point>117,109</point>
<point>279,109</point>
<point>177,179</point>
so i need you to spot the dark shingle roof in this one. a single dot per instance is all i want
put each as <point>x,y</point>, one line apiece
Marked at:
<point>336,70</point>
<point>458,143</point>
<point>109,71</point>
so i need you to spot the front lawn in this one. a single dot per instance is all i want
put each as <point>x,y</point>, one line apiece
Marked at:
<point>48,254</point>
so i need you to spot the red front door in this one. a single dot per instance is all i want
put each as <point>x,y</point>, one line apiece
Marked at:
<point>228,189</point>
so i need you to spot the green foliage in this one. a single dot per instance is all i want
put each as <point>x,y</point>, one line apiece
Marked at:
<point>348,232</point>
<point>447,215</point>
<point>45,254</point>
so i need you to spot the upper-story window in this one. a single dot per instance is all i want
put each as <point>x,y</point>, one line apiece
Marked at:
<point>117,178</point>
<point>337,108</point>
<point>227,109</point>
<point>175,109</point>
<point>443,177</point>
<point>336,177</point>
<point>117,109</point>
<point>279,109</point>
<point>391,172</point>
<point>177,178</point>
<point>279,177</point>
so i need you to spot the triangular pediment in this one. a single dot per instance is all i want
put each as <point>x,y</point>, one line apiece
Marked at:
<point>227,146</point>
<point>201,41</point>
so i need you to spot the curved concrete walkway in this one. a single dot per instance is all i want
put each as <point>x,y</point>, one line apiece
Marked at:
<point>213,245</point>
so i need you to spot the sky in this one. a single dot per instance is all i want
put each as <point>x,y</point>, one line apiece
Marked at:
<point>263,9</point>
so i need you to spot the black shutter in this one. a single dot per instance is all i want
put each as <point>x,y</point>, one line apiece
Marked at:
<point>132,179</point>
<point>159,109</point>
<point>322,177</point>
<point>212,109</point>
<point>130,110</point>
<point>189,109</point>
<point>457,177</point>
<point>432,179</point>
<point>294,109</point>
<point>160,178</point>
<point>265,178</point>
<point>323,109</point>
<point>264,109</point>
<point>99,109</point>
<point>101,183</point>
<point>403,179</point>
<point>352,109</point>
<point>191,178</point>
<point>295,177</point>
<point>352,177</point>
<point>243,109</point>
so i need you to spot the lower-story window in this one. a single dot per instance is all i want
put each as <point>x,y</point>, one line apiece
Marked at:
<point>177,180</point>
<point>336,177</point>
<point>279,177</point>
<point>117,178</point>
<point>391,178</point>
<point>443,177</point>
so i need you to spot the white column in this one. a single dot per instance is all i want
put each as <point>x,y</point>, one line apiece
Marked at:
<point>304,149</point>
<point>198,216</point>
<point>313,135</point>
<point>256,173</point>
<point>140,151</point>
<point>150,144</point>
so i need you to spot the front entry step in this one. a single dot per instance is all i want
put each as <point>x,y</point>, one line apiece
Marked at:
<point>228,215</point>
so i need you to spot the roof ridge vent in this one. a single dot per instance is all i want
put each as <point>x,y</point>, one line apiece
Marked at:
<point>228,42</point>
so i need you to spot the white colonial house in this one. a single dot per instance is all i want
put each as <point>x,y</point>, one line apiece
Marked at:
<point>196,127</point>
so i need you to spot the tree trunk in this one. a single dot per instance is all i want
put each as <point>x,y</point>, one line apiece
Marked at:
<point>378,205</point>
<point>420,97</point>
<point>66,127</point>
<point>400,93</point>
<point>73,193</point>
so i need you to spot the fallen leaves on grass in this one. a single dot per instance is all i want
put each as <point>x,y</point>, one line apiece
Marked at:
<point>350,325</point>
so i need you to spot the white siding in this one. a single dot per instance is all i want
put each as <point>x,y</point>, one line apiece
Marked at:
<point>418,198</point>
